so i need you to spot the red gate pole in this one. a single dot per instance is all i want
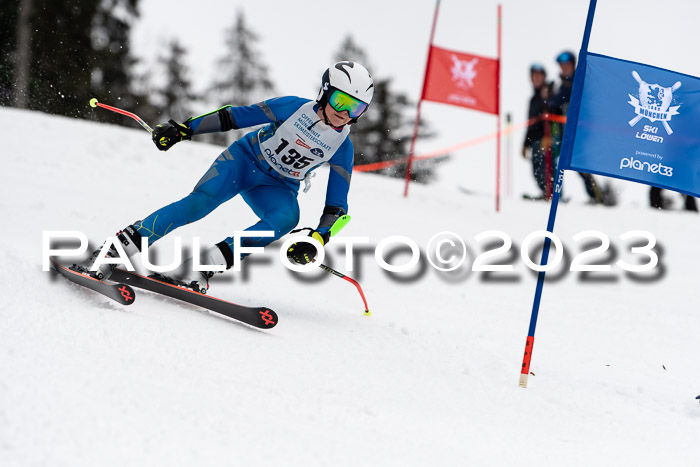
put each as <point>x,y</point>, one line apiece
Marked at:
<point>411,152</point>
<point>498,120</point>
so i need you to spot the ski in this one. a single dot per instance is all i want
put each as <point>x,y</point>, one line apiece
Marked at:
<point>120,293</point>
<point>260,317</point>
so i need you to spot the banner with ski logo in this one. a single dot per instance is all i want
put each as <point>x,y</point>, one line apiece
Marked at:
<point>637,122</point>
<point>462,79</point>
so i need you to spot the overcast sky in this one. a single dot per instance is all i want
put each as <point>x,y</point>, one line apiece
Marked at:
<point>298,40</point>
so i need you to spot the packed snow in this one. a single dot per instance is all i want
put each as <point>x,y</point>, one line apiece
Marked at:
<point>431,378</point>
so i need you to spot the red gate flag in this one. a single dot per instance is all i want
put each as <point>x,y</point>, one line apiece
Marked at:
<point>462,79</point>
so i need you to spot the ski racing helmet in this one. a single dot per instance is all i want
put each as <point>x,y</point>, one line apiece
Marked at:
<point>566,57</point>
<point>346,86</point>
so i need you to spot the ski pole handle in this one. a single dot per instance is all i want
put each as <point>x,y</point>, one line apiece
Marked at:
<point>94,103</point>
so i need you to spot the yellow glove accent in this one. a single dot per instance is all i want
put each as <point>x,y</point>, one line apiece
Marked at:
<point>318,237</point>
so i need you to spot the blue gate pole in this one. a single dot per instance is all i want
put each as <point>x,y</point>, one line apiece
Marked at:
<point>564,161</point>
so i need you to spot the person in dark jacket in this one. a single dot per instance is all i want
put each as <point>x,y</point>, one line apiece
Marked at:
<point>560,105</point>
<point>536,143</point>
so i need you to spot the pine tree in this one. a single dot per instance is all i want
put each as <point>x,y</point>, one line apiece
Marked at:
<point>384,132</point>
<point>243,78</point>
<point>61,56</point>
<point>351,50</point>
<point>9,26</point>
<point>57,55</point>
<point>176,95</point>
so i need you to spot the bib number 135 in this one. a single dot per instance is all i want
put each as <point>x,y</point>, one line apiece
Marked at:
<point>292,156</point>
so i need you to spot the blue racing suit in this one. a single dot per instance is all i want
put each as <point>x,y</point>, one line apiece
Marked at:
<point>266,167</point>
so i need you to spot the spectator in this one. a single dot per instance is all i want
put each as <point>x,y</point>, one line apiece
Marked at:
<point>560,104</point>
<point>657,200</point>
<point>536,142</point>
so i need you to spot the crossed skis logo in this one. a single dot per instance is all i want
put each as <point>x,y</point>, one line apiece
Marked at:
<point>654,103</point>
<point>126,293</point>
<point>463,72</point>
<point>267,318</point>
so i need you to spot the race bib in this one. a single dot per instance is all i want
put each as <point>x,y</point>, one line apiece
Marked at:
<point>295,147</point>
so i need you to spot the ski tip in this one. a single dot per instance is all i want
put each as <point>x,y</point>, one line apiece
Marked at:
<point>368,313</point>
<point>93,102</point>
<point>268,318</point>
<point>127,294</point>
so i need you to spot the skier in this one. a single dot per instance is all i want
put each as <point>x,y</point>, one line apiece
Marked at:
<point>266,167</point>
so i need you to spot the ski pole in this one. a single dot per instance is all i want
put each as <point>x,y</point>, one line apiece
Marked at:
<point>335,228</point>
<point>94,103</point>
<point>352,281</point>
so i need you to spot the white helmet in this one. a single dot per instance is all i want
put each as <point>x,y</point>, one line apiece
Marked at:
<point>351,78</point>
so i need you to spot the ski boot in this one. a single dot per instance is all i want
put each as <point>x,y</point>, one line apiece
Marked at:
<point>130,240</point>
<point>198,281</point>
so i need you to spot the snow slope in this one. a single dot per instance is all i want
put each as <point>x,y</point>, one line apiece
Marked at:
<point>430,379</point>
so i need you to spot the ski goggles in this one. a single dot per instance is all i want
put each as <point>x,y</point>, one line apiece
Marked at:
<point>341,101</point>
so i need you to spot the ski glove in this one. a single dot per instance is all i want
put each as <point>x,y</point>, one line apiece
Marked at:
<point>167,134</point>
<point>304,252</point>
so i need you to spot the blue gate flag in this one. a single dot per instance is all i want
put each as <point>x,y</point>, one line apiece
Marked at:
<point>637,122</point>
